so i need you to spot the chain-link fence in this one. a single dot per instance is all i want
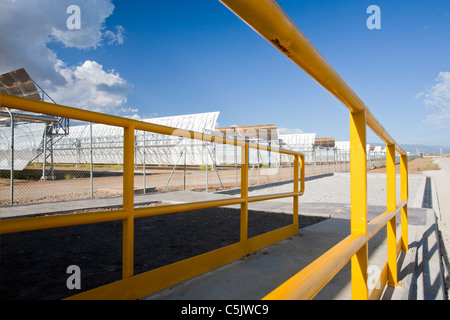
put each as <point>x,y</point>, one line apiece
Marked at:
<point>33,167</point>
<point>38,165</point>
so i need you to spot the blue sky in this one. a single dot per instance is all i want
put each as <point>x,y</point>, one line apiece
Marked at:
<point>179,57</point>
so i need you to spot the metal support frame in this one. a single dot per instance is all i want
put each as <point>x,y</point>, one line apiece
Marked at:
<point>214,166</point>
<point>173,170</point>
<point>47,152</point>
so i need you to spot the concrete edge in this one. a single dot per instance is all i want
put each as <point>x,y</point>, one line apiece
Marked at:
<point>436,261</point>
<point>416,202</point>
<point>436,207</point>
<point>435,198</point>
<point>428,265</point>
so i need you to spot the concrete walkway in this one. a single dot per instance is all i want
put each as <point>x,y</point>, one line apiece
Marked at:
<point>255,276</point>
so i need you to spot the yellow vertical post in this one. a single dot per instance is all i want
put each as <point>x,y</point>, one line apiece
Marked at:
<point>296,189</point>
<point>358,179</point>
<point>128,203</point>
<point>404,197</point>
<point>391,206</point>
<point>244,193</point>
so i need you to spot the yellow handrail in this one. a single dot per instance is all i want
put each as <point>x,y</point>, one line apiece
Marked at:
<point>136,286</point>
<point>311,279</point>
<point>273,24</point>
<point>269,20</point>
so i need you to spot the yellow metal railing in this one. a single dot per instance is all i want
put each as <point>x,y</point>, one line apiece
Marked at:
<point>136,286</point>
<point>269,20</point>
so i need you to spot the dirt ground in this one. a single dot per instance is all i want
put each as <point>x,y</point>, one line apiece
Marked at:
<point>108,186</point>
<point>33,265</point>
<point>416,166</point>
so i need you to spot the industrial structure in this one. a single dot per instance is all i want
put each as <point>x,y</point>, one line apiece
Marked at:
<point>27,136</point>
<point>41,147</point>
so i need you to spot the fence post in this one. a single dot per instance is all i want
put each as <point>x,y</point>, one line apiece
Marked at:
<point>144,165</point>
<point>358,180</point>
<point>44,161</point>
<point>207,155</point>
<point>128,203</point>
<point>11,180</point>
<point>235,164</point>
<point>244,193</point>
<point>184,167</point>
<point>392,224</point>
<point>404,194</point>
<point>91,162</point>
<point>257,154</point>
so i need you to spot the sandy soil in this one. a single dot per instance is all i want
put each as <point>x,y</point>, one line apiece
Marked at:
<point>416,166</point>
<point>33,264</point>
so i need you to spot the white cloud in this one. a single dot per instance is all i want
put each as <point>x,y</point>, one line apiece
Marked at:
<point>29,28</point>
<point>437,100</point>
<point>89,86</point>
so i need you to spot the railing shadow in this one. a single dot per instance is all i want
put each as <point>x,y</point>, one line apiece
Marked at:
<point>446,262</point>
<point>426,281</point>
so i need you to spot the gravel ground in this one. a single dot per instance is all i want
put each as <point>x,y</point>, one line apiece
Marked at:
<point>337,189</point>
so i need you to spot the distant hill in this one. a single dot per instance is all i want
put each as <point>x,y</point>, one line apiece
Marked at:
<point>425,149</point>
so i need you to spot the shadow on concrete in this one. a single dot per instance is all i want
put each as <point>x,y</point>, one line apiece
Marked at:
<point>427,281</point>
